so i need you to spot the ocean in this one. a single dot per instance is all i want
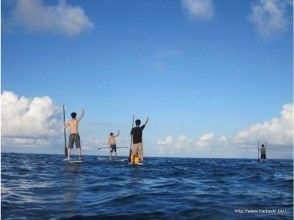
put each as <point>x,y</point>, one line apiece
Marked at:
<point>37,186</point>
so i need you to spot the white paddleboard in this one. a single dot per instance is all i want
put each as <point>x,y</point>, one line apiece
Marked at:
<point>136,164</point>
<point>73,161</point>
<point>120,160</point>
<point>102,158</point>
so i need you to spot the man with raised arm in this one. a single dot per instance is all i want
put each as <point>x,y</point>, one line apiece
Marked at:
<point>112,143</point>
<point>74,136</point>
<point>136,134</point>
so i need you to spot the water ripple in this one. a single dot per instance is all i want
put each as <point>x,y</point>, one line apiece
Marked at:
<point>45,187</point>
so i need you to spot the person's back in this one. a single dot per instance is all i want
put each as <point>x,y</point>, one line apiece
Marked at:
<point>137,134</point>
<point>73,125</point>
<point>262,150</point>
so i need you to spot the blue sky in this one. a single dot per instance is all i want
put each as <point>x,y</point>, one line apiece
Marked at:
<point>203,71</point>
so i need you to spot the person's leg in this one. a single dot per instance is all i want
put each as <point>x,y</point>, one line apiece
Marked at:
<point>68,153</point>
<point>80,153</point>
<point>141,151</point>
<point>78,145</point>
<point>111,150</point>
<point>115,152</point>
<point>134,152</point>
<point>70,146</point>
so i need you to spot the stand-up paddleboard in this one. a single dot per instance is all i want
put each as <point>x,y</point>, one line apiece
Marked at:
<point>136,160</point>
<point>102,158</point>
<point>73,160</point>
<point>119,160</point>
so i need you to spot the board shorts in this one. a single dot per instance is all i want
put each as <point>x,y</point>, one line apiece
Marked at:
<point>263,156</point>
<point>137,149</point>
<point>74,138</point>
<point>113,148</point>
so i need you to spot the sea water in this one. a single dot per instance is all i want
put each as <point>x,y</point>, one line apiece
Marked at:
<point>45,187</point>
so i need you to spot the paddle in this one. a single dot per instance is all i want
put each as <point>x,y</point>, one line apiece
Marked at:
<point>99,148</point>
<point>265,148</point>
<point>129,159</point>
<point>64,132</point>
<point>258,151</point>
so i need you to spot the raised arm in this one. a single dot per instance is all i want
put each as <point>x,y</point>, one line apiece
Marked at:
<point>82,114</point>
<point>146,121</point>
<point>117,133</point>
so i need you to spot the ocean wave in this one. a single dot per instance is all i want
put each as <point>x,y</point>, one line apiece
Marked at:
<point>45,187</point>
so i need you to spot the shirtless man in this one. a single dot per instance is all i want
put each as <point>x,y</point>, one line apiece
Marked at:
<point>74,133</point>
<point>112,143</point>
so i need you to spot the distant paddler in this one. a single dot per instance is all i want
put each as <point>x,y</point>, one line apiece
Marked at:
<point>112,144</point>
<point>74,137</point>
<point>263,152</point>
<point>136,134</point>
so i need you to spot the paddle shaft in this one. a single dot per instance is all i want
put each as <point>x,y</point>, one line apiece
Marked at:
<point>129,160</point>
<point>258,151</point>
<point>99,148</point>
<point>64,132</point>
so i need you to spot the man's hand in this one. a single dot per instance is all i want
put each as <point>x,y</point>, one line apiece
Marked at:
<point>82,114</point>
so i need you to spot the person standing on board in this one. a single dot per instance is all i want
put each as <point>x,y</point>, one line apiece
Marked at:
<point>74,136</point>
<point>136,133</point>
<point>112,143</point>
<point>263,153</point>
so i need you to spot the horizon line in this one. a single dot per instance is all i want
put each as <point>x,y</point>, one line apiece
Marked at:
<point>233,158</point>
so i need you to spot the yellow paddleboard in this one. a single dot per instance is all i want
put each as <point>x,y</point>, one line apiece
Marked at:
<point>137,160</point>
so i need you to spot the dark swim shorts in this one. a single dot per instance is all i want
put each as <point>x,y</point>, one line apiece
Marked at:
<point>263,156</point>
<point>113,148</point>
<point>74,138</point>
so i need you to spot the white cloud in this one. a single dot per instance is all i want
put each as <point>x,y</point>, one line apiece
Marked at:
<point>210,140</point>
<point>167,141</point>
<point>182,141</point>
<point>269,17</point>
<point>178,142</point>
<point>205,140</point>
<point>199,9</point>
<point>61,18</point>
<point>29,121</point>
<point>171,146</point>
<point>277,131</point>
<point>223,140</point>
<point>32,142</point>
